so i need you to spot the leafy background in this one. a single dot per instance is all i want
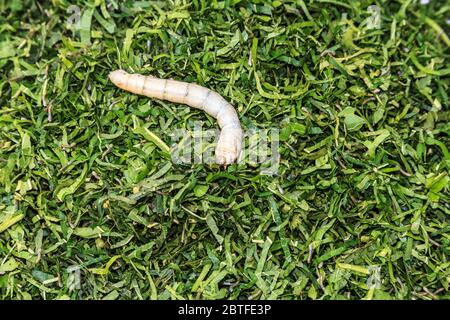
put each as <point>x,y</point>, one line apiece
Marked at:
<point>363,181</point>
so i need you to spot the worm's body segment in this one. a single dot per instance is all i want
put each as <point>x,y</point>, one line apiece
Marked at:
<point>230,140</point>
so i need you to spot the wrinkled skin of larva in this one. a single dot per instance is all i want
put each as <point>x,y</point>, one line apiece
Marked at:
<point>230,141</point>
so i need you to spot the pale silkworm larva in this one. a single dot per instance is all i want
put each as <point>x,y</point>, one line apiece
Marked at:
<point>230,140</point>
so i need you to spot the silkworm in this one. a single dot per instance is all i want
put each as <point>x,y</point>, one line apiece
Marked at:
<point>229,145</point>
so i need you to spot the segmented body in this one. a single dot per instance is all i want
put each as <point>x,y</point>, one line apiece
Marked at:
<point>230,140</point>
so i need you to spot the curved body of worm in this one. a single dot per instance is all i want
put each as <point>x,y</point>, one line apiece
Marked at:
<point>230,140</point>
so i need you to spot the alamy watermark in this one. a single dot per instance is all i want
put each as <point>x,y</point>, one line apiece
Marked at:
<point>374,279</point>
<point>260,147</point>
<point>73,278</point>
<point>374,21</point>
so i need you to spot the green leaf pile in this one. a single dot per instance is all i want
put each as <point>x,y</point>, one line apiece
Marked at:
<point>92,207</point>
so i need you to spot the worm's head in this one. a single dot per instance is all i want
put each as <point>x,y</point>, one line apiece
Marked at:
<point>227,154</point>
<point>119,78</point>
<point>224,157</point>
<point>229,145</point>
